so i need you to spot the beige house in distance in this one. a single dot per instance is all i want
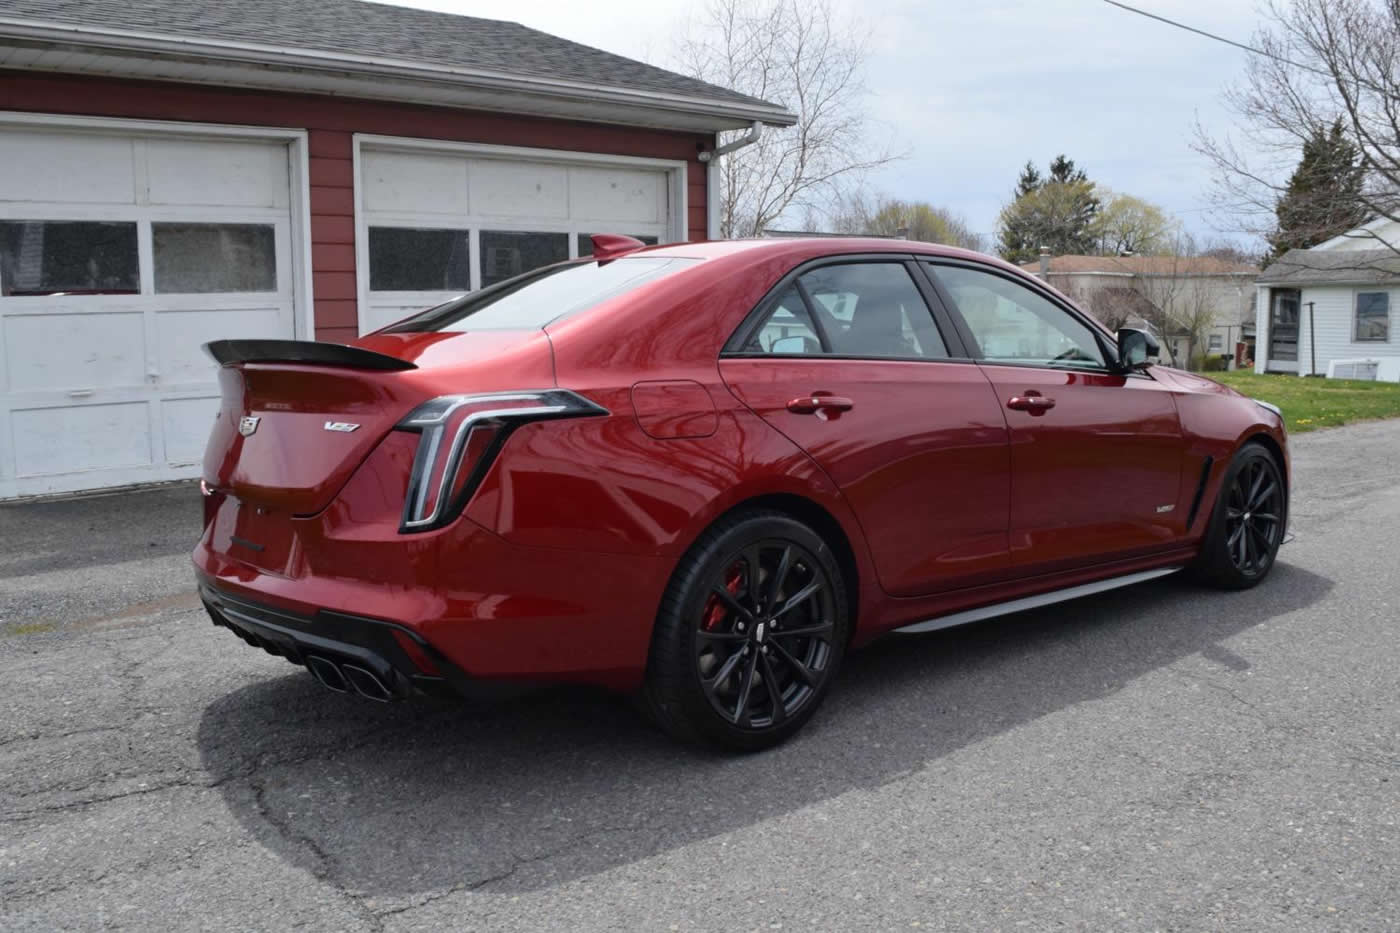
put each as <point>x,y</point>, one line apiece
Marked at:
<point>1133,290</point>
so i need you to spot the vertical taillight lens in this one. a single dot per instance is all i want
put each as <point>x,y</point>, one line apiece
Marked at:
<point>461,435</point>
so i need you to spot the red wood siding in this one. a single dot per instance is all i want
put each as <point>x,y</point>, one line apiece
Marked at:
<point>330,123</point>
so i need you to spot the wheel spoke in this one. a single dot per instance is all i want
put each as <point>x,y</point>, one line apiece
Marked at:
<point>721,636</point>
<point>799,670</point>
<point>1262,542</point>
<point>806,631</point>
<point>775,696</point>
<point>1259,477</point>
<point>1265,517</point>
<point>1264,496</point>
<point>1233,514</point>
<point>1248,547</point>
<point>733,605</point>
<point>1241,537</point>
<point>800,597</point>
<point>775,582</point>
<point>753,560</point>
<point>725,670</point>
<point>741,708</point>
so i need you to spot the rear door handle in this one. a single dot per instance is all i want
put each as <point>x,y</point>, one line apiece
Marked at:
<point>814,403</point>
<point>1033,402</point>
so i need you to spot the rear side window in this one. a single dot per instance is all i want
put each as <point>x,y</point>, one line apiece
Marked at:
<point>867,309</point>
<point>533,300</point>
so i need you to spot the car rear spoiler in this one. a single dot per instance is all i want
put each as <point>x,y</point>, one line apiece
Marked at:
<point>228,352</point>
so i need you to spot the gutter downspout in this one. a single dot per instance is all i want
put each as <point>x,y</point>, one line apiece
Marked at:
<point>748,139</point>
<point>712,179</point>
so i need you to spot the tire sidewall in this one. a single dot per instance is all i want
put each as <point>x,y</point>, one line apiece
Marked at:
<point>1216,564</point>
<point>676,647</point>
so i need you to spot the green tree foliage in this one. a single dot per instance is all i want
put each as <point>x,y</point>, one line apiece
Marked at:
<point>1127,225</point>
<point>919,220</point>
<point>1057,212</point>
<point>1323,196</point>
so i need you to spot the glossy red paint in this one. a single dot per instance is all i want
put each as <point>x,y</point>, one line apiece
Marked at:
<point>936,493</point>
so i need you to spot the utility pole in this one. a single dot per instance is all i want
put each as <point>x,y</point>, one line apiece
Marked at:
<point>1312,339</point>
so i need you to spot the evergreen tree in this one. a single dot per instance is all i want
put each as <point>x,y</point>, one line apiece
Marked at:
<point>1322,199</point>
<point>1056,211</point>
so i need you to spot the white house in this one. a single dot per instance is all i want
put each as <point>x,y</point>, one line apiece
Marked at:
<point>1333,303</point>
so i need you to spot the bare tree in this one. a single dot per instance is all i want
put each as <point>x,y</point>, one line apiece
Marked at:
<point>1316,61</point>
<point>858,213</point>
<point>798,54</point>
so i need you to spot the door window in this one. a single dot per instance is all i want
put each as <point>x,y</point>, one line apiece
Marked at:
<point>1013,324</point>
<point>868,309</point>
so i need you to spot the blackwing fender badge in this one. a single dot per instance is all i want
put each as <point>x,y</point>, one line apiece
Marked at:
<point>248,424</point>
<point>345,427</point>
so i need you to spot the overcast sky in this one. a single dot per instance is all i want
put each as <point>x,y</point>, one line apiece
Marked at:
<point>971,89</point>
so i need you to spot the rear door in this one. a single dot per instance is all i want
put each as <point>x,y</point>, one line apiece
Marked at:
<point>1096,454</point>
<point>847,360</point>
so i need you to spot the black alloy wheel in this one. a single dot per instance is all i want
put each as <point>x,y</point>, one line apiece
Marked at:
<point>1254,517</point>
<point>1247,524</point>
<point>750,634</point>
<point>763,639</point>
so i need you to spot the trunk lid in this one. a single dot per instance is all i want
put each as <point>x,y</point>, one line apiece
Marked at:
<point>297,418</point>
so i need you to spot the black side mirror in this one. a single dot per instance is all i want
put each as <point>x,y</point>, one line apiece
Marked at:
<point>1135,347</point>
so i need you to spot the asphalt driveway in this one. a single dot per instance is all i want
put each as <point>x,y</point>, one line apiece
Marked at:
<point>1161,757</point>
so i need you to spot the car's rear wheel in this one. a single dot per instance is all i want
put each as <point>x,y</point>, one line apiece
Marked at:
<point>1247,525</point>
<point>750,634</point>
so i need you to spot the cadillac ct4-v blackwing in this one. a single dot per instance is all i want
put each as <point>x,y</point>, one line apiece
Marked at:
<point>703,472</point>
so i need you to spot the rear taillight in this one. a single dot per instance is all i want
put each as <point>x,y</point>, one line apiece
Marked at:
<point>461,435</point>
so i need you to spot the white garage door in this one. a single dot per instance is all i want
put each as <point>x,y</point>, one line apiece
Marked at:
<point>436,220</point>
<point>120,254</point>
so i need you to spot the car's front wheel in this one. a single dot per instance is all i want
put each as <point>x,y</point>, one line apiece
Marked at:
<point>1247,525</point>
<point>750,633</point>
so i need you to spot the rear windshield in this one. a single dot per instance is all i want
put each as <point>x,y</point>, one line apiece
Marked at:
<point>532,300</point>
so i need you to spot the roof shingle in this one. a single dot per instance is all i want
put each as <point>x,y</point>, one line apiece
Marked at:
<point>1328,266</point>
<point>377,30</point>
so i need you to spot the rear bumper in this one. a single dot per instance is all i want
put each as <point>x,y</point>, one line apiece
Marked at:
<point>350,644</point>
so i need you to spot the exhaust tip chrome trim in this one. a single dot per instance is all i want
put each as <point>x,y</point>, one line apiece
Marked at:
<point>366,683</point>
<point>326,672</point>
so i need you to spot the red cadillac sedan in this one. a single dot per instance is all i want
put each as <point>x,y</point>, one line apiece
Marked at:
<point>703,472</point>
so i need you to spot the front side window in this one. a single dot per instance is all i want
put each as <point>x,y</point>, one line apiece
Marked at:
<point>865,309</point>
<point>51,257</point>
<point>1372,316</point>
<point>1013,324</point>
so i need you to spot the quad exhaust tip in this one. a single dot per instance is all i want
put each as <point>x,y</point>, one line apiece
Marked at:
<point>342,678</point>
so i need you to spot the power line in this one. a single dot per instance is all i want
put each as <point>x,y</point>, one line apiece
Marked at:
<point>1252,49</point>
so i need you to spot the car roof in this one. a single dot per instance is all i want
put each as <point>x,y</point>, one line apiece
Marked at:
<point>799,249</point>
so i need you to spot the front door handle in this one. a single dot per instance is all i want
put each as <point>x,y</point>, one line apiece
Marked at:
<point>817,403</point>
<point>1032,401</point>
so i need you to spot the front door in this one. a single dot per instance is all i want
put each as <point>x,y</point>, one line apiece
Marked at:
<point>1096,455</point>
<point>848,362</point>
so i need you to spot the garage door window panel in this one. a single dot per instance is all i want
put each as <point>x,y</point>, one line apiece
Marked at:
<point>52,257</point>
<point>200,258</point>
<point>506,254</point>
<point>404,259</point>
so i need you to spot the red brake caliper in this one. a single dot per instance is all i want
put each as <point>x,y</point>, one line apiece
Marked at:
<point>714,610</point>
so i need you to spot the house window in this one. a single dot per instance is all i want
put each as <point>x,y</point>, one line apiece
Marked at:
<point>1217,343</point>
<point>1372,316</point>
<point>51,257</point>
<point>403,259</point>
<point>202,258</point>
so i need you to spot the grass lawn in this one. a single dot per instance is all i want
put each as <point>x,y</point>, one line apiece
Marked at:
<point>1317,403</point>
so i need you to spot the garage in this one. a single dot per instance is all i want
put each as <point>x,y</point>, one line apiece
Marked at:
<point>122,250</point>
<point>436,220</point>
<point>304,171</point>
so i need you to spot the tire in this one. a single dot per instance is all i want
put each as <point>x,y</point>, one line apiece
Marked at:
<point>1247,523</point>
<point>720,672</point>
